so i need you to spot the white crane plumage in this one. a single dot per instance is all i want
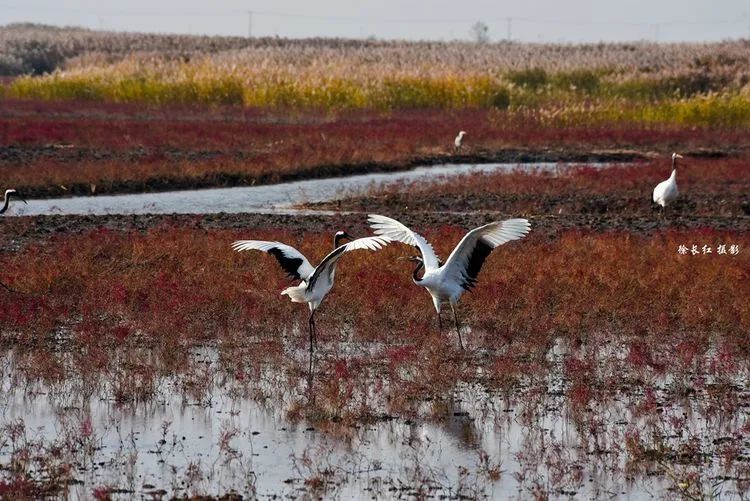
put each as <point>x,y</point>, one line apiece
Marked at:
<point>459,140</point>
<point>666,191</point>
<point>447,282</point>
<point>316,282</point>
<point>8,194</point>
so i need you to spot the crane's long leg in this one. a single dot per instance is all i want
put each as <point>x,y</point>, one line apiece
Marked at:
<point>440,322</point>
<point>310,377</point>
<point>311,326</point>
<point>315,333</point>
<point>311,367</point>
<point>458,327</point>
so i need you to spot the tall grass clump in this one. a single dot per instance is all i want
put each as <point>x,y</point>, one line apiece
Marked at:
<point>675,85</point>
<point>711,109</point>
<point>129,88</point>
<point>727,110</point>
<point>208,83</point>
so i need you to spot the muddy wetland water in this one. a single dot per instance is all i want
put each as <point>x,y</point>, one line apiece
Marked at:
<point>212,430</point>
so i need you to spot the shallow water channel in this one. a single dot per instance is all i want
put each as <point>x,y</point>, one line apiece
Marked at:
<point>274,198</point>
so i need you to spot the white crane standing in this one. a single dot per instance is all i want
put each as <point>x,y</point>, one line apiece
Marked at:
<point>447,282</point>
<point>8,194</point>
<point>459,140</point>
<point>666,191</point>
<point>316,282</point>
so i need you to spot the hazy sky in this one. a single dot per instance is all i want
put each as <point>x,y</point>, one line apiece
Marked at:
<point>531,20</point>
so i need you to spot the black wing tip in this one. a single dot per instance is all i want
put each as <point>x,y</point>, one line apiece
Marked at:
<point>290,265</point>
<point>469,283</point>
<point>476,260</point>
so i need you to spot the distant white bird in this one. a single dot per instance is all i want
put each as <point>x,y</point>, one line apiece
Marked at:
<point>666,191</point>
<point>8,194</point>
<point>316,282</point>
<point>447,282</point>
<point>459,140</point>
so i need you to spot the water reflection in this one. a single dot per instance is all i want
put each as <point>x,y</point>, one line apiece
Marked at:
<point>202,432</point>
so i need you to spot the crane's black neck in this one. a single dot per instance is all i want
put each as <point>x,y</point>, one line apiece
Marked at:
<point>674,163</point>
<point>5,206</point>
<point>337,238</point>
<point>420,265</point>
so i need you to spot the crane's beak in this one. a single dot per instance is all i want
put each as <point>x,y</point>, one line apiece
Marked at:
<point>678,156</point>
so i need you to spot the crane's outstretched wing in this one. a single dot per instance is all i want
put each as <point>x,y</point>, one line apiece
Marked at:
<point>467,258</point>
<point>291,260</point>
<point>328,265</point>
<point>394,230</point>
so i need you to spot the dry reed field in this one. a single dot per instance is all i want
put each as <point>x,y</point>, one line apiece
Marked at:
<point>688,84</point>
<point>606,354</point>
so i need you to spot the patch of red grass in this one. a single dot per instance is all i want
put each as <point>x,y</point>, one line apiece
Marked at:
<point>640,355</point>
<point>171,288</point>
<point>101,493</point>
<point>19,488</point>
<point>648,403</point>
<point>123,126</point>
<point>104,144</point>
